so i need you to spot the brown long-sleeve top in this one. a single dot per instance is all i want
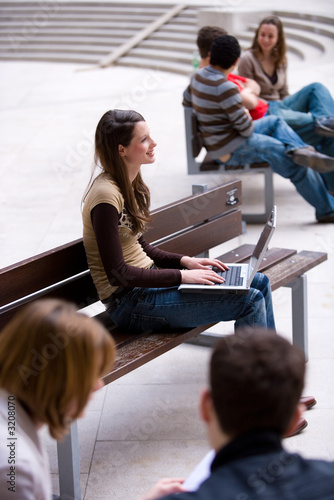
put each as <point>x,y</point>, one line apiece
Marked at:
<point>116,256</point>
<point>250,67</point>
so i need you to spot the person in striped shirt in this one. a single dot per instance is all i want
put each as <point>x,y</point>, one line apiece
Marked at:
<point>230,136</point>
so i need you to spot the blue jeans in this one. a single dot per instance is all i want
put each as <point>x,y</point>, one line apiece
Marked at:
<point>300,110</point>
<point>155,309</point>
<point>264,145</point>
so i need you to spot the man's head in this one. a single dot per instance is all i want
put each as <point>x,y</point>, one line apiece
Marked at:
<point>205,38</point>
<point>256,379</point>
<point>225,52</point>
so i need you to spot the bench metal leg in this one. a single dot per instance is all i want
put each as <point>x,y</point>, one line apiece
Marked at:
<point>68,465</point>
<point>299,312</point>
<point>268,200</point>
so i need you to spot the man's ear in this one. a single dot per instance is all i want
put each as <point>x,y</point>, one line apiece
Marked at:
<point>205,405</point>
<point>235,65</point>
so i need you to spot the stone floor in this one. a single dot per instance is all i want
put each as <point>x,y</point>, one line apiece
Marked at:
<point>145,425</point>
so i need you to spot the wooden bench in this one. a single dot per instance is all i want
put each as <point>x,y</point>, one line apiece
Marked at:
<point>194,146</point>
<point>190,226</point>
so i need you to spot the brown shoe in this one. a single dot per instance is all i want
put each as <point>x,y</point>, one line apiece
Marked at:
<point>308,401</point>
<point>313,159</point>
<point>301,424</point>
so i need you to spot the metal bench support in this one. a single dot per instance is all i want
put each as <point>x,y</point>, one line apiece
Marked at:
<point>193,167</point>
<point>68,464</point>
<point>299,312</point>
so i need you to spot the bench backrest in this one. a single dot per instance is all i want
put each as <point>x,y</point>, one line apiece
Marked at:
<point>194,145</point>
<point>189,226</point>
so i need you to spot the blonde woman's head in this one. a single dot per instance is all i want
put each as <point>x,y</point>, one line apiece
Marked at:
<point>51,359</point>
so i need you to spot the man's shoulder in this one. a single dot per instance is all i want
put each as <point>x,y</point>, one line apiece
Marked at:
<point>212,79</point>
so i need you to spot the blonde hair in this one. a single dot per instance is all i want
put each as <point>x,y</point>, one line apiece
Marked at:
<point>50,357</point>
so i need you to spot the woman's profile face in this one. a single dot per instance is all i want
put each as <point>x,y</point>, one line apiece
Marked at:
<point>140,151</point>
<point>267,37</point>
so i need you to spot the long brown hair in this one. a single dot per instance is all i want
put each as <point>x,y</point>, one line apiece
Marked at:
<point>51,357</point>
<point>114,128</point>
<point>279,51</point>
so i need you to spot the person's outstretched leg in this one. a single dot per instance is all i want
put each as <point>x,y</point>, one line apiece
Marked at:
<point>314,98</point>
<point>302,153</point>
<point>309,184</point>
<point>276,127</point>
<point>304,111</point>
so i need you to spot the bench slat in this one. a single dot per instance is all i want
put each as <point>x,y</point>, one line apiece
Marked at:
<point>244,252</point>
<point>193,210</point>
<point>208,235</point>
<point>147,347</point>
<point>41,271</point>
<point>286,271</point>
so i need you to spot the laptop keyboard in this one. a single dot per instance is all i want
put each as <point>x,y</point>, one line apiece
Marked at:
<point>231,276</point>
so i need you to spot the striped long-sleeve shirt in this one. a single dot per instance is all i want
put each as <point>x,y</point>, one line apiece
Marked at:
<point>223,120</point>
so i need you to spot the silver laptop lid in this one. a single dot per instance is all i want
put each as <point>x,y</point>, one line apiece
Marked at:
<point>262,244</point>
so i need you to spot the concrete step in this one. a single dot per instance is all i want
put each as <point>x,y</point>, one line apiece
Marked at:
<point>313,19</point>
<point>165,55</point>
<point>98,50</point>
<point>105,8</point>
<point>311,27</point>
<point>78,17</point>
<point>69,25</point>
<point>125,34</point>
<point>50,57</point>
<point>153,43</point>
<point>172,27</point>
<point>157,64</point>
<point>5,41</point>
<point>164,35</point>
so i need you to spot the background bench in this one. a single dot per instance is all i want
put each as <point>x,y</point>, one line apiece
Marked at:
<point>190,226</point>
<point>194,146</point>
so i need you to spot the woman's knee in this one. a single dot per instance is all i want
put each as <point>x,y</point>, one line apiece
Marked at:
<point>260,282</point>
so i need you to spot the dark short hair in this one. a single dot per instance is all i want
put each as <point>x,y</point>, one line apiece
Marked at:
<point>256,379</point>
<point>205,38</point>
<point>225,51</point>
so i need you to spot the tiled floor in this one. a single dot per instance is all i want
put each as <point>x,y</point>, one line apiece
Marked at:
<point>145,425</point>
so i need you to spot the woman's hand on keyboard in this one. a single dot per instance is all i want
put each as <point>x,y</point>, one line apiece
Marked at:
<point>204,276</point>
<point>202,263</point>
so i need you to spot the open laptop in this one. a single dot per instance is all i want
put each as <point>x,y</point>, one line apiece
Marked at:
<point>239,277</point>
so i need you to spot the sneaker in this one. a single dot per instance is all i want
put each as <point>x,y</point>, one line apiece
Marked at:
<point>325,126</point>
<point>313,159</point>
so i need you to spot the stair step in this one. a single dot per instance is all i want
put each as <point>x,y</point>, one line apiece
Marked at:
<point>61,31</point>
<point>159,65</point>
<point>170,35</point>
<point>312,18</point>
<point>111,25</point>
<point>98,50</point>
<point>169,44</point>
<point>166,55</point>
<point>84,10</point>
<point>50,57</point>
<point>67,39</point>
